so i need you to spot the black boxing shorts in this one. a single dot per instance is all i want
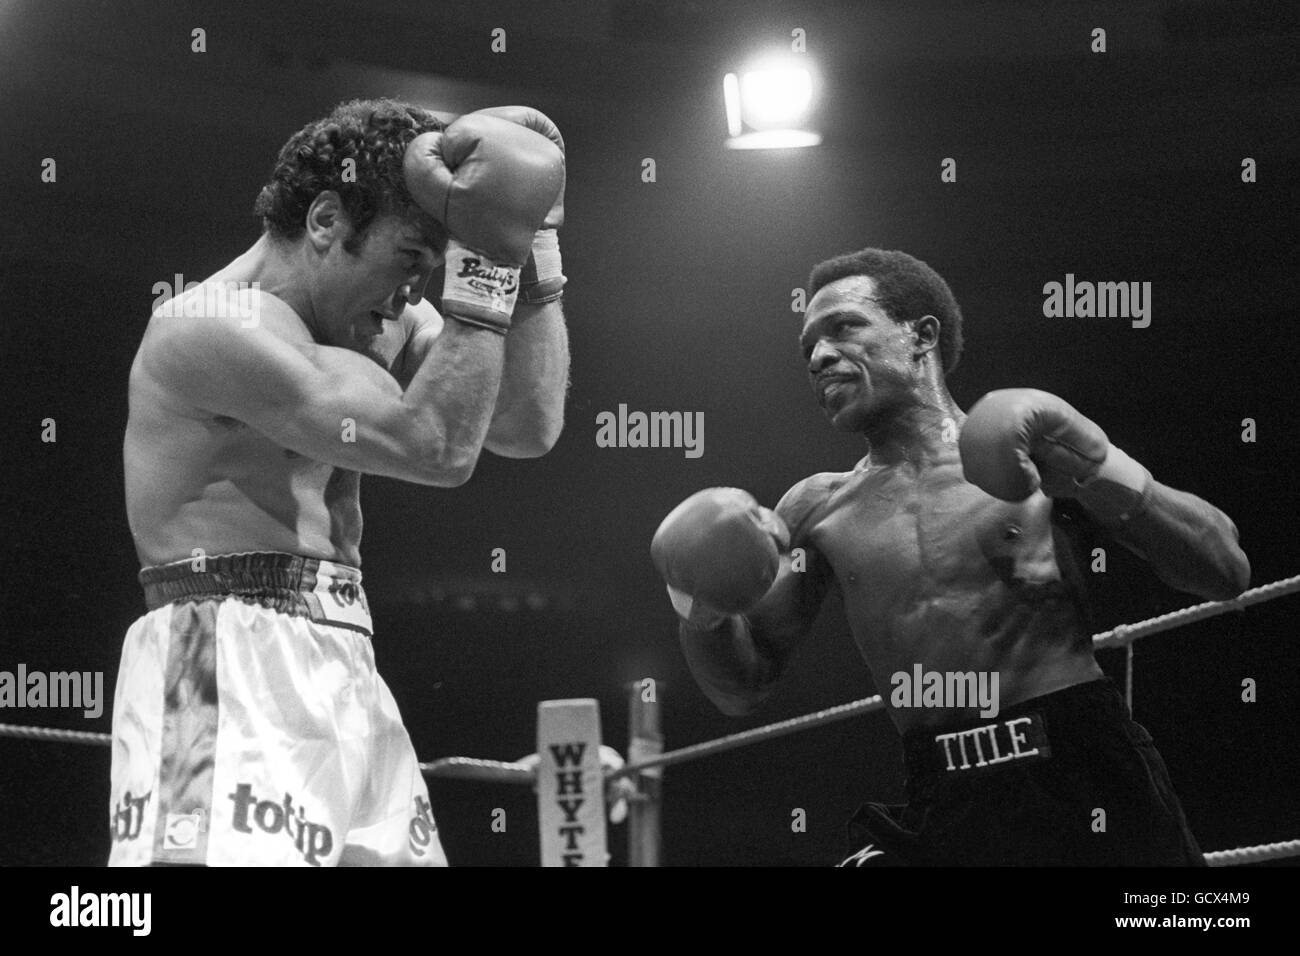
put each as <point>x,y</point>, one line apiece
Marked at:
<point>1066,779</point>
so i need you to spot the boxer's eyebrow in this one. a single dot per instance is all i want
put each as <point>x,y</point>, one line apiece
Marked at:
<point>828,318</point>
<point>422,229</point>
<point>422,241</point>
<point>841,314</point>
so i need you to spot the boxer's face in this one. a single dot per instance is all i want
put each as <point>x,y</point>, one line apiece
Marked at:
<point>860,361</point>
<point>361,294</point>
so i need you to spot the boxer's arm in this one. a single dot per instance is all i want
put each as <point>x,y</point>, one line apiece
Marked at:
<point>1190,544</point>
<point>529,412</point>
<point>1015,439</point>
<point>530,406</point>
<point>738,660</point>
<point>334,405</point>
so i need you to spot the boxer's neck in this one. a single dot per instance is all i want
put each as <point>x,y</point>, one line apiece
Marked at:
<point>281,269</point>
<point>920,433</point>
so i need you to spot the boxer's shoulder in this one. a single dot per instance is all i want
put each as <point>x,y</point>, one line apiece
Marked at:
<point>799,506</point>
<point>198,344</point>
<point>217,307</point>
<point>212,323</point>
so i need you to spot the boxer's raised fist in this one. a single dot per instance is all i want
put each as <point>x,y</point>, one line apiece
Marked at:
<point>491,182</point>
<point>542,279</point>
<point>538,122</point>
<point>1018,440</point>
<point>721,549</point>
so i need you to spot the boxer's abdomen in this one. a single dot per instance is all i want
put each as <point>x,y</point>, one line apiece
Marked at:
<point>936,573</point>
<point>216,484</point>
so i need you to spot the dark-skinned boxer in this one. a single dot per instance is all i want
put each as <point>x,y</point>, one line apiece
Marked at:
<point>250,725</point>
<point>942,546</point>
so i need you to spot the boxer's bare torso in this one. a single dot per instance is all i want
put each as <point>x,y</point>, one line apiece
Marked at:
<point>195,479</point>
<point>932,571</point>
<point>938,578</point>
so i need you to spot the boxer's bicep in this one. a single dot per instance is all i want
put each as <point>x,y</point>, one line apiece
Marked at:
<point>328,404</point>
<point>785,615</point>
<point>422,325</point>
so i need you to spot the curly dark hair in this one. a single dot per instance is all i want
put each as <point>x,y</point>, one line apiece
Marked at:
<point>906,288</point>
<point>374,133</point>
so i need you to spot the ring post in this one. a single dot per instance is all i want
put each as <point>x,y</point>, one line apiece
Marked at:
<point>645,741</point>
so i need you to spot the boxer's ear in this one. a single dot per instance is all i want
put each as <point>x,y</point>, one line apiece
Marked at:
<point>926,332</point>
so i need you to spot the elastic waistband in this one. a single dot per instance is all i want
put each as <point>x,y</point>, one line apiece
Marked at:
<point>1026,730</point>
<point>311,587</point>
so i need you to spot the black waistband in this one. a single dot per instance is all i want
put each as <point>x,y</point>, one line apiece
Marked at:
<point>283,579</point>
<point>1023,731</point>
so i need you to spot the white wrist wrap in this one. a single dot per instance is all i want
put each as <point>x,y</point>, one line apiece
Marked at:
<point>543,276</point>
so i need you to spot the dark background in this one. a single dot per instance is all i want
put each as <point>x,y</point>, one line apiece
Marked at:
<point>1116,167</point>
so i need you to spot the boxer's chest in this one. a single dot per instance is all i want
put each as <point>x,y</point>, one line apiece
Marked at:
<point>897,533</point>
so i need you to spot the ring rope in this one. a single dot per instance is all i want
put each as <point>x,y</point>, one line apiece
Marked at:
<point>1253,854</point>
<point>54,734</point>
<point>1127,633</point>
<point>766,732</point>
<point>471,768</point>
